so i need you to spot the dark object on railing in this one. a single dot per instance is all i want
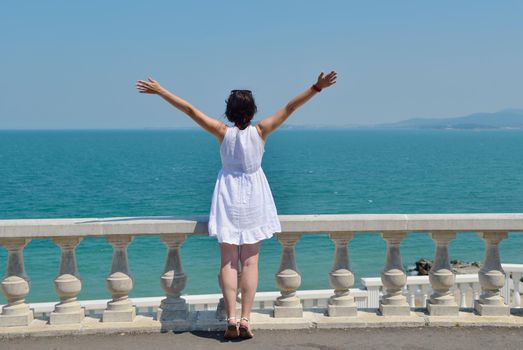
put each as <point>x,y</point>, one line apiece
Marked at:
<point>465,267</point>
<point>423,267</point>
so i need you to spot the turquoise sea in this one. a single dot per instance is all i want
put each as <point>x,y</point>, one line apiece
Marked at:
<point>65,174</point>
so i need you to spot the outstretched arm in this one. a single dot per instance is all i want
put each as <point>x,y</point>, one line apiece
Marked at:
<point>268,125</point>
<point>212,125</point>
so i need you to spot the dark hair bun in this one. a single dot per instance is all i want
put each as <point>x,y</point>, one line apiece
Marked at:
<point>241,108</point>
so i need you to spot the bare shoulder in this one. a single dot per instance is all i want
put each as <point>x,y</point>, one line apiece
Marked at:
<point>259,129</point>
<point>221,130</point>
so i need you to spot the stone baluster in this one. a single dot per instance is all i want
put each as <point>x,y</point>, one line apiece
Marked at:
<point>441,277</point>
<point>424,295</point>
<point>67,284</point>
<point>491,277</point>
<point>516,298</point>
<point>119,283</point>
<point>393,277</point>
<point>476,289</point>
<point>15,285</point>
<point>505,290</point>
<point>373,297</point>
<point>173,309</point>
<point>411,295</point>
<point>341,278</point>
<point>463,287</point>
<point>288,278</point>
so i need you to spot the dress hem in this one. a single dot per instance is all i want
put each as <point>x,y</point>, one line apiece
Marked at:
<point>237,237</point>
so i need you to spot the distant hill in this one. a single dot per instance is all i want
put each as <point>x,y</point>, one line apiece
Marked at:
<point>505,119</point>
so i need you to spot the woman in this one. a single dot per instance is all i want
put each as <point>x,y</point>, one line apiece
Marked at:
<point>242,212</point>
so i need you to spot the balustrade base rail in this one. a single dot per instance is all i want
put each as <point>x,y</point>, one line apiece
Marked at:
<point>203,314</point>
<point>313,318</point>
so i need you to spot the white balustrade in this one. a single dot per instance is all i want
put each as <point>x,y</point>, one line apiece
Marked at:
<point>511,289</point>
<point>493,290</point>
<point>417,288</point>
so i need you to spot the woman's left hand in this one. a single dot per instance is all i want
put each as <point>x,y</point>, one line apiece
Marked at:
<point>148,87</point>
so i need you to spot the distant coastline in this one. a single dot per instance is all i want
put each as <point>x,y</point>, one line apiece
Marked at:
<point>507,119</point>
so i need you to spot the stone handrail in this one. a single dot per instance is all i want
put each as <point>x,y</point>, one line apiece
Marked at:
<point>119,232</point>
<point>155,225</point>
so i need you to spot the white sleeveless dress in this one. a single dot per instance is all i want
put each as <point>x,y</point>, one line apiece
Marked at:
<point>242,208</point>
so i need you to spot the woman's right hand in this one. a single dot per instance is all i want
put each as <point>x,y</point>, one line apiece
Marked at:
<point>149,87</point>
<point>324,81</point>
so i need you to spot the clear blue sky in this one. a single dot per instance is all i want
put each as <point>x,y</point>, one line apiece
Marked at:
<point>72,64</point>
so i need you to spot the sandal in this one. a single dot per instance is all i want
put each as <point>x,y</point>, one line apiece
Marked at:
<point>245,332</point>
<point>231,332</point>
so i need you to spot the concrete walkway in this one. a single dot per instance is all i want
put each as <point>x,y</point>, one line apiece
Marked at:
<point>434,338</point>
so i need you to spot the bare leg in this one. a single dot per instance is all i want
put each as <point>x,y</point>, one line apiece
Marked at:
<point>229,277</point>
<point>249,254</point>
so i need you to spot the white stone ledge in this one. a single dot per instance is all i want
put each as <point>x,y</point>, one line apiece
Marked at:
<point>35,228</point>
<point>205,321</point>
